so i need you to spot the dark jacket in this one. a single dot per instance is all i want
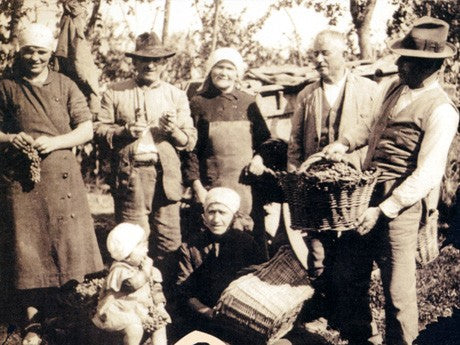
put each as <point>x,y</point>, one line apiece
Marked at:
<point>204,275</point>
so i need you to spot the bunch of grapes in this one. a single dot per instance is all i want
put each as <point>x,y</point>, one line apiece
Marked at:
<point>336,172</point>
<point>155,320</point>
<point>90,288</point>
<point>34,159</point>
<point>87,293</point>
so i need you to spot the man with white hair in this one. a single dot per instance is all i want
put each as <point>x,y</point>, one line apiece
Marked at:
<point>324,111</point>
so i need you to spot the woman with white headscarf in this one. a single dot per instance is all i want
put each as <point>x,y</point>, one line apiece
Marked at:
<point>47,236</point>
<point>214,257</point>
<point>230,129</point>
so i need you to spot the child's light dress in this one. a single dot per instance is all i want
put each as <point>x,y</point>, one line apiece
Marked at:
<point>118,309</point>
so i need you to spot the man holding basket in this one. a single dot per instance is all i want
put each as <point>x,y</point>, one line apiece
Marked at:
<point>325,110</point>
<point>409,143</point>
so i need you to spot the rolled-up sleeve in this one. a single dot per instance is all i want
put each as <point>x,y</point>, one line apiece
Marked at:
<point>77,105</point>
<point>105,125</point>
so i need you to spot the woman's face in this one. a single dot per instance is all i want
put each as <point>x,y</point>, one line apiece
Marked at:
<point>224,76</point>
<point>34,60</point>
<point>217,218</point>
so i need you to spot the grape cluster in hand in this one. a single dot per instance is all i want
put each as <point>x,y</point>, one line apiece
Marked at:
<point>34,159</point>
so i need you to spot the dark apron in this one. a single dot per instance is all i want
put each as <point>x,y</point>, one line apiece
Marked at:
<point>231,143</point>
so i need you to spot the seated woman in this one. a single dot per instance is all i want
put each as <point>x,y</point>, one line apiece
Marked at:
<point>213,258</point>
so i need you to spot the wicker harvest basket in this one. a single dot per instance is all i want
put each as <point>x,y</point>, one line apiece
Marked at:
<point>263,305</point>
<point>327,196</point>
<point>427,240</point>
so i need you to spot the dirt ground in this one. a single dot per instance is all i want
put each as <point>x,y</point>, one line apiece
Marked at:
<point>438,295</point>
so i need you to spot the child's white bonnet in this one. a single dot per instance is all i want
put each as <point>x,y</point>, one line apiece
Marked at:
<point>123,239</point>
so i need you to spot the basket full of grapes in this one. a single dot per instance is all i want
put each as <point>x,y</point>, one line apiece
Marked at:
<point>327,195</point>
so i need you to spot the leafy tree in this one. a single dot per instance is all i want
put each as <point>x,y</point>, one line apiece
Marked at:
<point>361,13</point>
<point>409,10</point>
<point>11,12</point>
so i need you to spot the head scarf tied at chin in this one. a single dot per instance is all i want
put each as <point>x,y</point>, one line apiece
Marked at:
<point>227,54</point>
<point>222,54</point>
<point>36,35</point>
<point>225,196</point>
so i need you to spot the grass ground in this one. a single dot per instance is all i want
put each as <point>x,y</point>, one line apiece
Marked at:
<point>438,287</point>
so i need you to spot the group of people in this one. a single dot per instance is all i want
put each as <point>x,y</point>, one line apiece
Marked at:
<point>159,140</point>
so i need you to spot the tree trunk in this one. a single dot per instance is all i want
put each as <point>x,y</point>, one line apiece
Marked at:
<point>15,17</point>
<point>215,27</point>
<point>165,32</point>
<point>361,14</point>
<point>93,18</point>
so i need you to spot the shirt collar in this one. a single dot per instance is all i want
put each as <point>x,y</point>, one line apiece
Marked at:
<point>212,92</point>
<point>432,84</point>
<point>49,78</point>
<point>142,85</point>
<point>337,85</point>
<point>231,95</point>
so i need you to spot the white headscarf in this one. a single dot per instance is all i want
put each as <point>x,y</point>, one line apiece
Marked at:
<point>37,35</point>
<point>227,54</point>
<point>225,196</point>
<point>123,239</point>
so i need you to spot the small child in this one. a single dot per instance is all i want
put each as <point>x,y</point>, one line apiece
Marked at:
<point>132,299</point>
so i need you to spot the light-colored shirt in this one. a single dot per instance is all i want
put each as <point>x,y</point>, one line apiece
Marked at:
<point>440,130</point>
<point>146,143</point>
<point>125,101</point>
<point>332,91</point>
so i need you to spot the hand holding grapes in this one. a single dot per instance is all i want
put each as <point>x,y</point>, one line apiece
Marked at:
<point>21,140</point>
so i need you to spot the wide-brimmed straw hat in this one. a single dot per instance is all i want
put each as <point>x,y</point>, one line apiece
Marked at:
<point>148,45</point>
<point>426,39</point>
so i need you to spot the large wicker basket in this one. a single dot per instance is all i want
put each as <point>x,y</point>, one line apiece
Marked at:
<point>262,306</point>
<point>326,205</point>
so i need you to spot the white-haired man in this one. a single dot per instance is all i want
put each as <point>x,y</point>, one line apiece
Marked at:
<point>324,111</point>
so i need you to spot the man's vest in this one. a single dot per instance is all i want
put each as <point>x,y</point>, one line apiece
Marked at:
<point>395,142</point>
<point>330,119</point>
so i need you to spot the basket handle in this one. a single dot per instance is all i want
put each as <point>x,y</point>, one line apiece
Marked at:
<point>310,161</point>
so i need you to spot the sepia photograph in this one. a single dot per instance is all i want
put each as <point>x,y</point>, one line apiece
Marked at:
<point>229,172</point>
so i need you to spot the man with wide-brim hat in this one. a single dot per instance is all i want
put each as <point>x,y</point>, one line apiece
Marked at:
<point>146,121</point>
<point>415,125</point>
